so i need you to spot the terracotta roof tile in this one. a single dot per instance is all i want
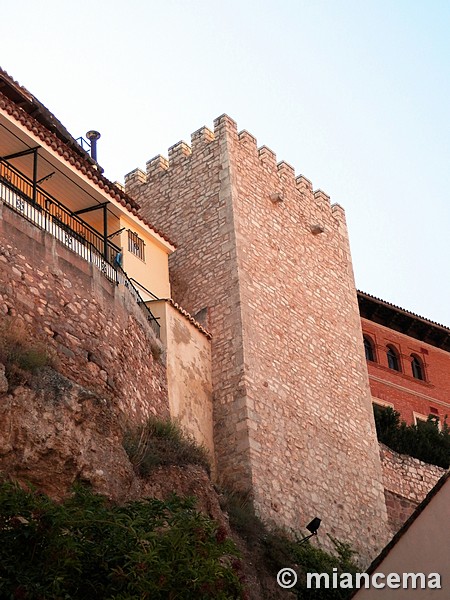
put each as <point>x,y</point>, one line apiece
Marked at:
<point>53,134</point>
<point>189,317</point>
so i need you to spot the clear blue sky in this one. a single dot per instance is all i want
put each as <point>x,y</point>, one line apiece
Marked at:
<point>354,94</point>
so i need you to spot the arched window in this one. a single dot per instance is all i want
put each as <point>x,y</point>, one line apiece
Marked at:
<point>369,348</point>
<point>393,358</point>
<point>417,367</point>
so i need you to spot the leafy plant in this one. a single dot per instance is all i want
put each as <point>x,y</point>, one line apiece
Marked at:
<point>242,516</point>
<point>162,442</point>
<point>314,560</point>
<point>85,548</point>
<point>424,441</point>
<point>278,550</point>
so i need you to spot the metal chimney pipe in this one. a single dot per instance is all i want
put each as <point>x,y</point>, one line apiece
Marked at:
<point>93,136</point>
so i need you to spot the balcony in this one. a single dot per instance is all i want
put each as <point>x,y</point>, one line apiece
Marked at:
<point>27,198</point>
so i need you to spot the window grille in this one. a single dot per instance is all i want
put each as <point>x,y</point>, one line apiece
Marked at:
<point>136,245</point>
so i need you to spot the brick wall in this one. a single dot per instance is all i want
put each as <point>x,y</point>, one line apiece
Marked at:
<point>269,260</point>
<point>409,395</point>
<point>399,509</point>
<point>96,329</point>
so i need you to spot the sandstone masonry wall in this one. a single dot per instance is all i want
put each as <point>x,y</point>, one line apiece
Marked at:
<point>188,363</point>
<point>399,510</point>
<point>189,198</point>
<point>407,481</point>
<point>407,476</point>
<point>99,334</point>
<point>267,260</point>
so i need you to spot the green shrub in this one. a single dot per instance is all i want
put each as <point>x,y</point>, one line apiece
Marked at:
<point>84,548</point>
<point>314,560</point>
<point>279,550</point>
<point>162,442</point>
<point>242,516</point>
<point>423,441</point>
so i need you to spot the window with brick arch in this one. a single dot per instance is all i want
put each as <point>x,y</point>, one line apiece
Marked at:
<point>369,348</point>
<point>417,367</point>
<point>393,358</point>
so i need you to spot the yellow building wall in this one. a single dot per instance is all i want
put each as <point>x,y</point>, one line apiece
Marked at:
<point>153,272</point>
<point>188,363</point>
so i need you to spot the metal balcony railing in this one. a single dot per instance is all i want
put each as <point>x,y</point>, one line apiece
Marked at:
<point>37,206</point>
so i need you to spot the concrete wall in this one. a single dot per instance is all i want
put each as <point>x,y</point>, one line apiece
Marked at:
<point>269,260</point>
<point>188,362</point>
<point>95,328</point>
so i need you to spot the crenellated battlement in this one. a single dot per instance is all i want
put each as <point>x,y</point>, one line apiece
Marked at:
<point>201,137</point>
<point>179,151</point>
<point>247,139</point>
<point>225,132</point>
<point>135,177</point>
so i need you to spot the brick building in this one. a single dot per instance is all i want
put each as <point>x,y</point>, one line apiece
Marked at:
<point>408,360</point>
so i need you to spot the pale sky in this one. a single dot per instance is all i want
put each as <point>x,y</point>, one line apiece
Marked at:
<point>355,94</point>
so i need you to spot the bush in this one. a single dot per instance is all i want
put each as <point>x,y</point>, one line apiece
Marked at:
<point>423,441</point>
<point>279,550</point>
<point>162,442</point>
<point>21,355</point>
<point>84,548</point>
<point>242,516</point>
<point>314,560</point>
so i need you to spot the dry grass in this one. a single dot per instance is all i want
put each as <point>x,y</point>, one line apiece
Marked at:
<point>162,442</point>
<point>21,355</point>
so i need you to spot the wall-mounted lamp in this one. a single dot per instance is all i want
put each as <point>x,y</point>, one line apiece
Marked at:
<point>313,526</point>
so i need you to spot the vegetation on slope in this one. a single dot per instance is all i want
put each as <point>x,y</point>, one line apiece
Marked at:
<point>272,551</point>
<point>85,548</point>
<point>19,353</point>
<point>161,443</point>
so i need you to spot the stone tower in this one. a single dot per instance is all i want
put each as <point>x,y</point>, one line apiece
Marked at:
<point>266,261</point>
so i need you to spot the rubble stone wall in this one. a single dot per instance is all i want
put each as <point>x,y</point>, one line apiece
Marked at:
<point>96,330</point>
<point>407,481</point>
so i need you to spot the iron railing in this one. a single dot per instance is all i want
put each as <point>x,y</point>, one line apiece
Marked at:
<point>26,198</point>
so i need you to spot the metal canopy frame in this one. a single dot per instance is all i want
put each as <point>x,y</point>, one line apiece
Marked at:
<point>34,152</point>
<point>35,182</point>
<point>102,206</point>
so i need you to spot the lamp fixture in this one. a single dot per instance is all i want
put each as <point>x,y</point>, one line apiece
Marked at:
<point>312,526</point>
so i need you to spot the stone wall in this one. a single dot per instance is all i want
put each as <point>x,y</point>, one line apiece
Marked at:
<point>267,261</point>
<point>188,362</point>
<point>399,509</point>
<point>95,328</point>
<point>407,481</point>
